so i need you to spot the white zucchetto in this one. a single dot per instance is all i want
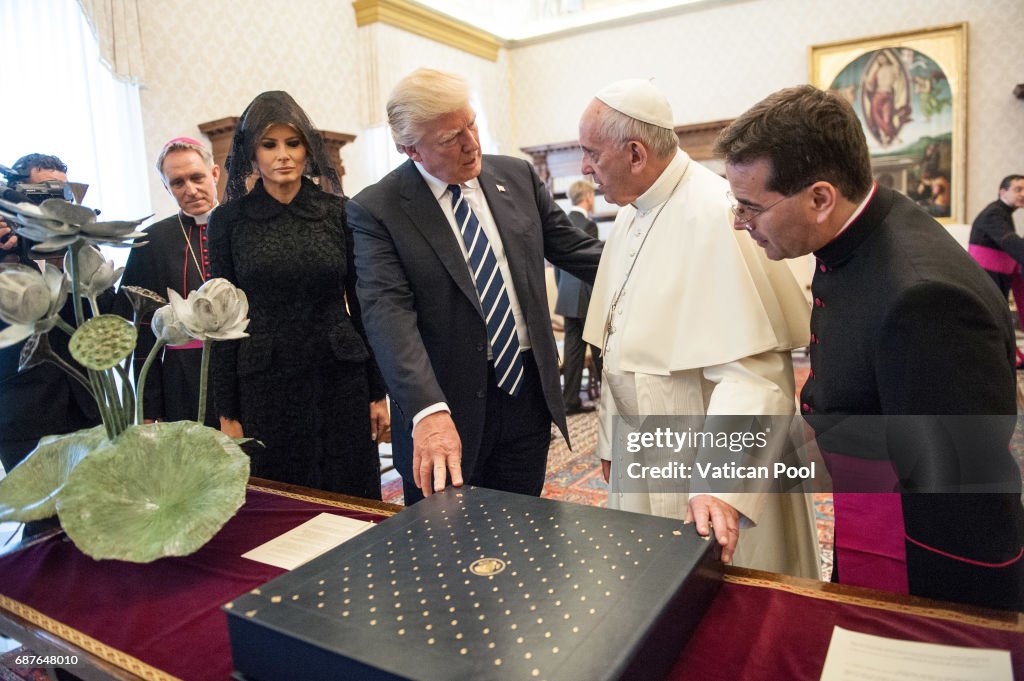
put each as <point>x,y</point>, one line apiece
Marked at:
<point>639,99</point>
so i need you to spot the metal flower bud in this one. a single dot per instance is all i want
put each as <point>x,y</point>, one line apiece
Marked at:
<point>95,274</point>
<point>217,311</point>
<point>168,328</point>
<point>24,297</point>
<point>30,300</point>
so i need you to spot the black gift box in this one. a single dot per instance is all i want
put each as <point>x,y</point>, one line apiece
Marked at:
<point>478,584</point>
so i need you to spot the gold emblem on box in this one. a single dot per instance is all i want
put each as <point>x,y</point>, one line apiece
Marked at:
<point>487,567</point>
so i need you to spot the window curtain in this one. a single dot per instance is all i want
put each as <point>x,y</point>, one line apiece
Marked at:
<point>60,99</point>
<point>115,24</point>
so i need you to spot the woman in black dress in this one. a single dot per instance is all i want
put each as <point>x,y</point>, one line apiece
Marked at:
<point>304,383</point>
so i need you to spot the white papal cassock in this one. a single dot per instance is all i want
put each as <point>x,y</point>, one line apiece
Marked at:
<point>703,325</point>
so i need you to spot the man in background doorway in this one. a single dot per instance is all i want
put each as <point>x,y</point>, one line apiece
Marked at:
<point>572,303</point>
<point>175,257</point>
<point>997,247</point>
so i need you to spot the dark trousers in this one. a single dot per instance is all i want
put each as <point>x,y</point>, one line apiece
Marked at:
<point>1003,281</point>
<point>1011,282</point>
<point>574,351</point>
<point>13,451</point>
<point>513,453</point>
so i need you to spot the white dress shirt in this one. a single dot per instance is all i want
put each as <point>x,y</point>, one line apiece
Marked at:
<point>474,196</point>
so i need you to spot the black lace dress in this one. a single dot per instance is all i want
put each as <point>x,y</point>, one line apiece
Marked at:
<point>303,381</point>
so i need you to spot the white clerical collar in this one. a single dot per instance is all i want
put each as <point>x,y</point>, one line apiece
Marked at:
<point>203,218</point>
<point>439,187</point>
<point>659,192</point>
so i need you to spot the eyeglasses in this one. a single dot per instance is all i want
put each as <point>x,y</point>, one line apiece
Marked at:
<point>744,213</point>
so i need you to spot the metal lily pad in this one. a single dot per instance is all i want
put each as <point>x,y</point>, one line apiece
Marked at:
<point>161,489</point>
<point>30,490</point>
<point>103,341</point>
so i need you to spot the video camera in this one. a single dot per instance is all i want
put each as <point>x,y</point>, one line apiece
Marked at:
<point>33,192</point>
<point>14,189</point>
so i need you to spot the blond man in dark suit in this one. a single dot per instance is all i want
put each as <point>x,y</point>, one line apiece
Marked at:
<point>471,365</point>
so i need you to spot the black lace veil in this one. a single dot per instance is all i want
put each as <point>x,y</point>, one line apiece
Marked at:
<point>276,108</point>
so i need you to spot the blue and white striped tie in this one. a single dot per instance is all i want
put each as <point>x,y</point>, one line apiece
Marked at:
<point>490,287</point>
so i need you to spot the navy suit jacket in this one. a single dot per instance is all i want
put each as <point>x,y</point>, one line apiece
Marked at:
<point>419,301</point>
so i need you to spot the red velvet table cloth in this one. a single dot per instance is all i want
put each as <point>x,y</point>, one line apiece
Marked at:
<point>759,628</point>
<point>165,613</point>
<point>163,619</point>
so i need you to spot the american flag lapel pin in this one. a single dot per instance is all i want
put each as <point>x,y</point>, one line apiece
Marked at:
<point>501,187</point>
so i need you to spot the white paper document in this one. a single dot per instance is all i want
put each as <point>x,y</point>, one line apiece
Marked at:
<point>307,541</point>
<point>853,656</point>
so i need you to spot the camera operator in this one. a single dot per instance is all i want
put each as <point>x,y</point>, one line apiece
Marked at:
<point>42,400</point>
<point>32,169</point>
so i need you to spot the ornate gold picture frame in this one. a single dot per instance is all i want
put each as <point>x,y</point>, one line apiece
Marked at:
<point>910,92</point>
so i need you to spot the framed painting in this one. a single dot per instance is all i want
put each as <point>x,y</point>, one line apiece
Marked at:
<point>910,92</point>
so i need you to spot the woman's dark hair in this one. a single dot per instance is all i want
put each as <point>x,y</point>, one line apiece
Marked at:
<point>276,108</point>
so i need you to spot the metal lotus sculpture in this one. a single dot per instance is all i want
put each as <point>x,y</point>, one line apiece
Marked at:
<point>124,490</point>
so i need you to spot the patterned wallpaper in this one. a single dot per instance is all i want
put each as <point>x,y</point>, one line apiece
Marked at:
<point>388,54</point>
<point>715,62</point>
<point>206,60</point>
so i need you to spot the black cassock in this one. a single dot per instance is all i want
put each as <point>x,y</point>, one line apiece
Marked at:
<point>176,257</point>
<point>906,325</point>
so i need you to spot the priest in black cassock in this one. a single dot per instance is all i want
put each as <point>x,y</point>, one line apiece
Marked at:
<point>175,257</point>
<point>912,390</point>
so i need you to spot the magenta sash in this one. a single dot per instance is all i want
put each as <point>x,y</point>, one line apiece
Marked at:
<point>194,344</point>
<point>993,259</point>
<point>869,535</point>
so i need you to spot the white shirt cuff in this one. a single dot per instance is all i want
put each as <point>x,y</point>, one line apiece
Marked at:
<point>427,411</point>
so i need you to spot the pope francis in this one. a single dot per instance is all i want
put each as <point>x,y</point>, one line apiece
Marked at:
<point>693,320</point>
